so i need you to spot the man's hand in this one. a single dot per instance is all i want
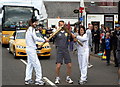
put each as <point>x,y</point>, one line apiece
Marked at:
<point>46,40</point>
<point>73,36</point>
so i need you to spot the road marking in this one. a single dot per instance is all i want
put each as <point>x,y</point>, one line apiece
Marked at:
<point>44,78</point>
<point>49,82</point>
<point>23,61</point>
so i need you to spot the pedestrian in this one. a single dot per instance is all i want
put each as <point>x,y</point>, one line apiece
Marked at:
<point>83,55</point>
<point>118,53</point>
<point>61,42</point>
<point>89,34</point>
<point>114,44</point>
<point>71,41</point>
<point>32,58</point>
<point>102,36</point>
<point>96,39</point>
<point>107,47</point>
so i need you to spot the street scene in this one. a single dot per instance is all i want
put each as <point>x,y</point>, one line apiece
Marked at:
<point>59,43</point>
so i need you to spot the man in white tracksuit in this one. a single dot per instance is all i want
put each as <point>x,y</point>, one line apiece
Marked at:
<point>32,58</point>
<point>89,34</point>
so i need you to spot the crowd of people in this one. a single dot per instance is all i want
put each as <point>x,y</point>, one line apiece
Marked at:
<point>102,40</point>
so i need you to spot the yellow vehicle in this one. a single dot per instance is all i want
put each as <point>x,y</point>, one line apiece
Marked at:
<point>17,45</point>
<point>15,15</point>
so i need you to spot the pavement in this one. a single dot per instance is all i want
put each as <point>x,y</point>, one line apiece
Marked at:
<point>14,70</point>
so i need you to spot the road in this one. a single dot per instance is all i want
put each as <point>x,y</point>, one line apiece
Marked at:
<point>14,70</point>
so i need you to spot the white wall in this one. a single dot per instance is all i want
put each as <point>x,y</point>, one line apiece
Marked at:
<point>91,17</point>
<point>100,18</point>
<point>54,21</point>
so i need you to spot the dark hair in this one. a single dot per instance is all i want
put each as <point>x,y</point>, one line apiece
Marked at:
<point>61,21</point>
<point>34,19</point>
<point>80,29</point>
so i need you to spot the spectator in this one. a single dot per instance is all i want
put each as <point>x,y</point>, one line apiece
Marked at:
<point>107,47</point>
<point>96,39</point>
<point>118,54</point>
<point>89,34</point>
<point>102,36</point>
<point>114,44</point>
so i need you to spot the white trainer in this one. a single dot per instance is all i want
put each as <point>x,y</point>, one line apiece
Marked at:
<point>69,80</point>
<point>57,80</point>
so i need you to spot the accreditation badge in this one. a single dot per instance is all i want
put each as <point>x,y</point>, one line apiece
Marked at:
<point>66,34</point>
<point>59,35</point>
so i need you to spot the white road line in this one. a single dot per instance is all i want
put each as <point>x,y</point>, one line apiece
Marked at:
<point>48,81</point>
<point>23,61</point>
<point>44,78</point>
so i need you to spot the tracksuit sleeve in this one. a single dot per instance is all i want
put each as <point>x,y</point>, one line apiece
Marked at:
<point>37,38</point>
<point>84,38</point>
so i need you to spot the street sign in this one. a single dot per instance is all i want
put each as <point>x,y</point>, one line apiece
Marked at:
<point>81,18</point>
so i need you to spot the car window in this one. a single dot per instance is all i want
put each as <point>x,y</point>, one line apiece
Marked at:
<point>39,35</point>
<point>20,35</point>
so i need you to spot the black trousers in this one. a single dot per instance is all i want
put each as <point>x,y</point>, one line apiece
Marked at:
<point>96,47</point>
<point>108,55</point>
<point>115,58</point>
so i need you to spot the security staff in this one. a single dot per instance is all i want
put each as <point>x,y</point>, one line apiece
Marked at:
<point>61,42</point>
<point>32,58</point>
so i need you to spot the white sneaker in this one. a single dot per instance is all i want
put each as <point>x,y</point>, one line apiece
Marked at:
<point>57,80</point>
<point>39,83</point>
<point>69,80</point>
<point>90,66</point>
<point>82,82</point>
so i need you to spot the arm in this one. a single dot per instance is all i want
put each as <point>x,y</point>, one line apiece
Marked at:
<point>37,38</point>
<point>84,38</point>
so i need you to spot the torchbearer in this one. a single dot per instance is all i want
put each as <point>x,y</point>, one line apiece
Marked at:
<point>61,42</point>
<point>32,58</point>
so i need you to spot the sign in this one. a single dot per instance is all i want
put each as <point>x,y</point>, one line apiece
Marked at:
<point>76,11</point>
<point>109,19</point>
<point>81,18</point>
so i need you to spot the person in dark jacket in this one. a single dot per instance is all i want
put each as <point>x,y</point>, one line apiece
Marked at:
<point>107,47</point>
<point>96,36</point>
<point>114,44</point>
<point>118,53</point>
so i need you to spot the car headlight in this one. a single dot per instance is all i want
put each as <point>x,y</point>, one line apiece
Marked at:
<point>21,47</point>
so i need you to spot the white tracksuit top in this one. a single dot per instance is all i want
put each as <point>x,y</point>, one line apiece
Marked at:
<point>31,38</point>
<point>84,39</point>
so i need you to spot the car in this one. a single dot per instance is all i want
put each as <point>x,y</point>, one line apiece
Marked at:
<point>17,45</point>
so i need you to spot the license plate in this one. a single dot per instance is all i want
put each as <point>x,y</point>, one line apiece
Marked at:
<point>38,51</point>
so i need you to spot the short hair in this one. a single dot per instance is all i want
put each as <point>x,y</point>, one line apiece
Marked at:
<point>61,21</point>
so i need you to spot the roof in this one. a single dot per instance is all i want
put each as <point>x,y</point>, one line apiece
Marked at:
<point>65,9</point>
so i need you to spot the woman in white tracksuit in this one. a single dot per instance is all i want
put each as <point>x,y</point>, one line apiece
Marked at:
<point>83,53</point>
<point>32,58</point>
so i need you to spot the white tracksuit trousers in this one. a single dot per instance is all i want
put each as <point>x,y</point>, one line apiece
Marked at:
<point>83,53</point>
<point>83,63</point>
<point>33,62</point>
